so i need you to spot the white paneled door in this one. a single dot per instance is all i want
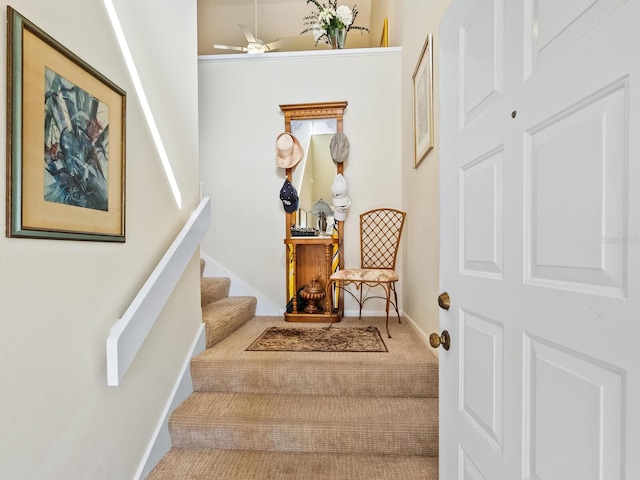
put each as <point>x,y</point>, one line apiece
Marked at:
<point>540,239</point>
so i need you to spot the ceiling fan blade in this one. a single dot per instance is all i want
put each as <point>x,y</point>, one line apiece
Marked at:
<point>227,47</point>
<point>248,34</point>
<point>271,46</point>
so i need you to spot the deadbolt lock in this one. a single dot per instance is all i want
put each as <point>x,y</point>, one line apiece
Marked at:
<point>444,302</point>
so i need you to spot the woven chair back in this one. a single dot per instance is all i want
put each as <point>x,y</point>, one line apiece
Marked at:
<point>380,232</point>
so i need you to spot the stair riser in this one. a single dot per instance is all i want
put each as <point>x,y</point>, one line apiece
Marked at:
<point>353,439</point>
<point>214,289</point>
<point>209,464</point>
<point>225,316</point>
<point>304,379</point>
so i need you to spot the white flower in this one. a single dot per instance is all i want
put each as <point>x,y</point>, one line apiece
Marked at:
<point>325,16</point>
<point>345,15</point>
<point>318,32</point>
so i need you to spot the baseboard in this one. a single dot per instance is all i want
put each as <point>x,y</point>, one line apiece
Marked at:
<point>422,335</point>
<point>161,442</point>
<point>419,332</point>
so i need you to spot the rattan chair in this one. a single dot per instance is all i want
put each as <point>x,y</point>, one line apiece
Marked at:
<point>380,232</point>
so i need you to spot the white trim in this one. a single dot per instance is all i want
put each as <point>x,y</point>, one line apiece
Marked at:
<point>421,334</point>
<point>129,332</point>
<point>348,52</point>
<point>160,443</point>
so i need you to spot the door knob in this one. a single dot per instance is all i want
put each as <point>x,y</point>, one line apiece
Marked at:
<point>444,302</point>
<point>444,340</point>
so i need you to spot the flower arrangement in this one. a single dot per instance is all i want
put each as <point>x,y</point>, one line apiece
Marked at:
<point>330,19</point>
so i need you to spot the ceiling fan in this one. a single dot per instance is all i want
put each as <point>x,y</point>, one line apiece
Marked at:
<point>254,44</point>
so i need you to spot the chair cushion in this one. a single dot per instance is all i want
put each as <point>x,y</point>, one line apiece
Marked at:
<point>381,275</point>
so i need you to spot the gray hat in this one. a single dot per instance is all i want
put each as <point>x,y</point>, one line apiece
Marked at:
<point>339,147</point>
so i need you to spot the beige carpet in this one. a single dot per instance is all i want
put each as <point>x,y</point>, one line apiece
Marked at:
<point>326,339</point>
<point>308,415</point>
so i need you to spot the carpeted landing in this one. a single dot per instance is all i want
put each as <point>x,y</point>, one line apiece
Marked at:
<point>258,415</point>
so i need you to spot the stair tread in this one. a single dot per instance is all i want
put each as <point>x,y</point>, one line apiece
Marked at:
<point>407,369</point>
<point>228,303</point>
<point>205,464</point>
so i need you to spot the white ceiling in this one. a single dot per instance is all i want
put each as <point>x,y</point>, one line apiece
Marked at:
<point>276,19</point>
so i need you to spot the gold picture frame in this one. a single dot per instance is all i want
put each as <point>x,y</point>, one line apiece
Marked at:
<point>422,79</point>
<point>384,38</point>
<point>65,142</point>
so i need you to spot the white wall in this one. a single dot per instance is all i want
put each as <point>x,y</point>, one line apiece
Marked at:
<point>420,186</point>
<point>240,119</point>
<point>59,299</point>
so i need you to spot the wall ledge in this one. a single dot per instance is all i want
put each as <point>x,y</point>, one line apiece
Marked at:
<point>271,56</point>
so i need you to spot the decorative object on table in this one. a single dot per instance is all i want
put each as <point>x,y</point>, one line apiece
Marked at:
<point>341,200</point>
<point>335,339</point>
<point>423,104</point>
<point>289,197</point>
<point>289,152</point>
<point>339,147</point>
<point>321,210</point>
<point>313,293</point>
<point>330,24</point>
<point>66,142</point>
<point>303,231</point>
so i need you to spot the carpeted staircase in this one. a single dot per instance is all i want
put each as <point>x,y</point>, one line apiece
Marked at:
<point>309,415</point>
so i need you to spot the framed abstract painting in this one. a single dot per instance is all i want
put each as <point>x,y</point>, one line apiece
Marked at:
<point>65,142</point>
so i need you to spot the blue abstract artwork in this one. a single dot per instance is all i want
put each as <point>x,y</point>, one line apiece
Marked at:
<point>76,141</point>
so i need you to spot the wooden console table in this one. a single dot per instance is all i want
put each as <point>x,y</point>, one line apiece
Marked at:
<point>311,258</point>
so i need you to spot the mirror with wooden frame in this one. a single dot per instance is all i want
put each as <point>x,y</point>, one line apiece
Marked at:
<point>312,259</point>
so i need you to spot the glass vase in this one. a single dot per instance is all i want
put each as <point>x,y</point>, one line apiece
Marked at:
<point>337,37</point>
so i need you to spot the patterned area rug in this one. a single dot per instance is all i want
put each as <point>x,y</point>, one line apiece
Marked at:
<point>334,339</point>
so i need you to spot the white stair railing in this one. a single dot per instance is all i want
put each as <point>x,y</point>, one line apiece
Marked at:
<point>129,332</point>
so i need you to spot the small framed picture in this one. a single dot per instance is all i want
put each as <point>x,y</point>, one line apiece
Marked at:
<point>423,103</point>
<point>66,142</point>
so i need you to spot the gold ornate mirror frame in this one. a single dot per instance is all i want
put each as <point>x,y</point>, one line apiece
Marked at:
<point>312,111</point>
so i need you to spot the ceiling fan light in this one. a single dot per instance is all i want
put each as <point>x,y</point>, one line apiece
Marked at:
<point>256,48</point>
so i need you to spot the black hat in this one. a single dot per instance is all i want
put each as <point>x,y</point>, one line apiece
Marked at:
<point>289,197</point>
